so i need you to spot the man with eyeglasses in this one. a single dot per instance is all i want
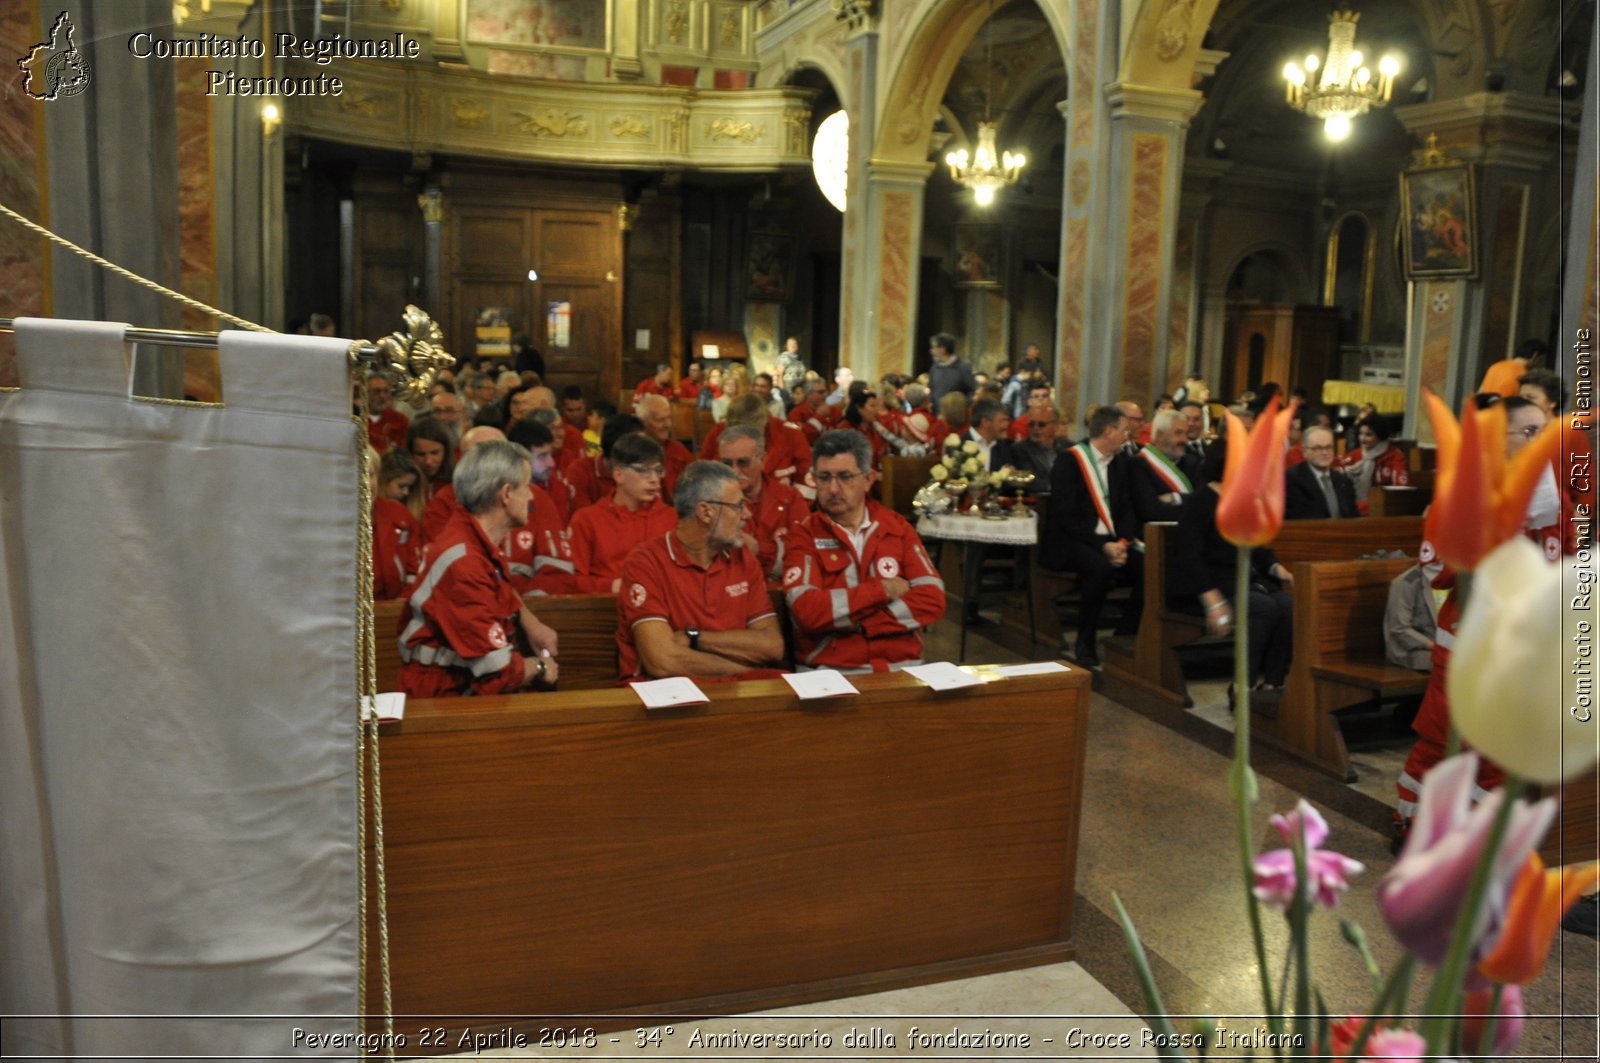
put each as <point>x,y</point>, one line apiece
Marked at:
<point>602,534</point>
<point>772,506</point>
<point>788,453</point>
<point>693,601</point>
<point>587,480</point>
<point>386,426</point>
<point>860,585</point>
<point>1314,489</point>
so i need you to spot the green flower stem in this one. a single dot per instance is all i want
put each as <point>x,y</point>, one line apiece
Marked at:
<point>1300,934</point>
<point>1395,991</point>
<point>1357,937</point>
<point>1242,782</point>
<point>1444,998</point>
<point>1486,1042</point>
<point>1167,1046</point>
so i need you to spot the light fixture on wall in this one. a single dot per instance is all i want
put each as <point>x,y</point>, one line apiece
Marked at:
<point>987,169</point>
<point>271,119</point>
<point>1338,88</point>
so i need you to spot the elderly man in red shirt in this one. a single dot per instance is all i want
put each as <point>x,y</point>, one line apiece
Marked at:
<point>772,507</point>
<point>386,426</point>
<point>788,453</point>
<point>693,601</point>
<point>602,534</point>
<point>462,616</point>
<point>655,413</point>
<point>860,585</point>
<point>812,413</point>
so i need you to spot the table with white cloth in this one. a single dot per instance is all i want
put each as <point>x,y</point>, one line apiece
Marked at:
<point>976,532</point>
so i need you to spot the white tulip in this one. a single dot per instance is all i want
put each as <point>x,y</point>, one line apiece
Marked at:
<point>1521,681</point>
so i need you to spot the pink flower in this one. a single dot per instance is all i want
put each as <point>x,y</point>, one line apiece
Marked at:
<point>1421,897</point>
<point>1328,871</point>
<point>1395,1044</point>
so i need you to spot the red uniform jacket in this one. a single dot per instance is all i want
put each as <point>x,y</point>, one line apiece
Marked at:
<point>678,458</point>
<point>788,453</point>
<point>813,422</point>
<point>441,507</point>
<point>648,386</point>
<point>604,533</point>
<point>539,554</point>
<point>387,429</point>
<point>585,483</point>
<point>660,582</point>
<point>772,517</point>
<point>460,618</point>
<point>396,548</point>
<point>842,617</point>
<point>688,389</point>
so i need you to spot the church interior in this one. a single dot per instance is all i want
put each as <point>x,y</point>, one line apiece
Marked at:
<point>629,184</point>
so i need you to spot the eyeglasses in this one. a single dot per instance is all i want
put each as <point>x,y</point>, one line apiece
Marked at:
<point>1318,447</point>
<point>741,463</point>
<point>843,479</point>
<point>739,505</point>
<point>1526,433</point>
<point>656,471</point>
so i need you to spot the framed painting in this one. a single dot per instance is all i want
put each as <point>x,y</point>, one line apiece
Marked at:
<point>977,256</point>
<point>770,267</point>
<point>1440,222</point>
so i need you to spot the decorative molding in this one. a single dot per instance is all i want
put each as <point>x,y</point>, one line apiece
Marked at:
<point>675,22</point>
<point>365,105</point>
<point>431,203</point>
<point>626,214</point>
<point>798,124</point>
<point>728,30</point>
<point>1128,100</point>
<point>1172,29</point>
<point>468,114</point>
<point>857,14</point>
<point>630,126</point>
<point>733,129</point>
<point>551,124</point>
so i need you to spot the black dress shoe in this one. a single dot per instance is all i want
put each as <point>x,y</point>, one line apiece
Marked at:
<point>1581,917</point>
<point>1085,656</point>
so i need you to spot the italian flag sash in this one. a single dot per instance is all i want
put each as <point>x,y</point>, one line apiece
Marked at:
<point>1168,473</point>
<point>1097,486</point>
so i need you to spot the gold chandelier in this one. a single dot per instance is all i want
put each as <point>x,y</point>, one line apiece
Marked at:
<point>987,169</point>
<point>1343,88</point>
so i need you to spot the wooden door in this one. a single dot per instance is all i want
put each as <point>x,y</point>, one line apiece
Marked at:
<point>578,254</point>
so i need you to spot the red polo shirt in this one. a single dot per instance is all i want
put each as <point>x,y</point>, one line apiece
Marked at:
<point>660,582</point>
<point>779,508</point>
<point>688,389</point>
<point>788,453</point>
<point>387,429</point>
<point>602,535</point>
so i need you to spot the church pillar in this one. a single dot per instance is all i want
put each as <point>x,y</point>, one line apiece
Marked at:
<point>858,262</point>
<point>895,198</point>
<point>1458,326</point>
<point>1140,213</point>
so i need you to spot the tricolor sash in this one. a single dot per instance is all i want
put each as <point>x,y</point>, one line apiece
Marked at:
<point>1166,471</point>
<point>1097,486</point>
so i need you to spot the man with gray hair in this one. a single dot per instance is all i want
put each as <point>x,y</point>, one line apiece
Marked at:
<point>772,506</point>
<point>693,601</point>
<point>860,586</point>
<point>1161,474</point>
<point>462,617</point>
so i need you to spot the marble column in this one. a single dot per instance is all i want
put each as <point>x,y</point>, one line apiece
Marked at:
<point>1458,327</point>
<point>1127,347</point>
<point>857,310</point>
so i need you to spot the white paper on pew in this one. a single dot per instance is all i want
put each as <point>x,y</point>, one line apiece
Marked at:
<point>664,693</point>
<point>823,683</point>
<point>391,707</point>
<point>942,675</point>
<point>1031,668</point>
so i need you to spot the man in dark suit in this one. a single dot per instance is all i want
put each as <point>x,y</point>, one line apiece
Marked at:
<point>1194,416</point>
<point>1092,530</point>
<point>1161,474</point>
<point>1314,489</point>
<point>988,431</point>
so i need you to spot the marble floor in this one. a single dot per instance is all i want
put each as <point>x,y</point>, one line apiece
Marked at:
<point>1159,834</point>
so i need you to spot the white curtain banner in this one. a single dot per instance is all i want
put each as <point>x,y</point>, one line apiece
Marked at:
<point>178,704</point>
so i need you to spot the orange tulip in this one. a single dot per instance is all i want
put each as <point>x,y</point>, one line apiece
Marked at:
<point>1251,509</point>
<point>1479,498</point>
<point>1534,907</point>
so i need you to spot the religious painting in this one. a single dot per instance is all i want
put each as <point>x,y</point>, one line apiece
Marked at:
<point>770,267</point>
<point>977,256</point>
<point>1439,222</point>
<point>538,23</point>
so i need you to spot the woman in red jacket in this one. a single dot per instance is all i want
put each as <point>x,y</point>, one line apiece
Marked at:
<point>1376,462</point>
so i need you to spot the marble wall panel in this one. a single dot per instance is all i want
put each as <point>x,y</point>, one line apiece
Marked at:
<point>1139,310</point>
<point>894,284</point>
<point>1182,307</point>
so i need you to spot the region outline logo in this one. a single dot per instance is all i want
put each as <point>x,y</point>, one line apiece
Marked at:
<point>55,69</point>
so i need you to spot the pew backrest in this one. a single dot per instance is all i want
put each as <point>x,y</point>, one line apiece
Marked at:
<point>1345,540</point>
<point>902,478</point>
<point>1339,607</point>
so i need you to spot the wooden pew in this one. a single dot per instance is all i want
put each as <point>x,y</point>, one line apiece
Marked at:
<point>682,420</point>
<point>902,478</point>
<point>1398,501</point>
<point>1338,659</point>
<point>1153,668</point>
<point>586,624</point>
<point>569,854</point>
<point>1575,836</point>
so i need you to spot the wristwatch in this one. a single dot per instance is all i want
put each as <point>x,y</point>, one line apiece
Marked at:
<point>694,637</point>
